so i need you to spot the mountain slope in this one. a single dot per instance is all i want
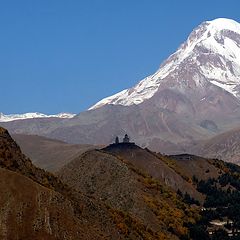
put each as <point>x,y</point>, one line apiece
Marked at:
<point>125,188</point>
<point>48,154</point>
<point>224,146</point>
<point>154,165</point>
<point>33,212</point>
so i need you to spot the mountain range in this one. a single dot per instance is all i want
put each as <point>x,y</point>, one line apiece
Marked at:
<point>13,117</point>
<point>192,97</point>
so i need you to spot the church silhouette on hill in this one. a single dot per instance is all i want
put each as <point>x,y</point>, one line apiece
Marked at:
<point>126,140</point>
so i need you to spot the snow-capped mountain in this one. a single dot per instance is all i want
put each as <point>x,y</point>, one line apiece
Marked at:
<point>13,117</point>
<point>214,49</point>
<point>194,95</point>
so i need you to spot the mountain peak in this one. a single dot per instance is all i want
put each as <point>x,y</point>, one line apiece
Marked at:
<point>225,23</point>
<point>214,28</point>
<point>213,52</point>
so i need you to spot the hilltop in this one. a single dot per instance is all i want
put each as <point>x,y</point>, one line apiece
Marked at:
<point>130,178</point>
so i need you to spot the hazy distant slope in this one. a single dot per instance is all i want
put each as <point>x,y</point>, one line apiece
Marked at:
<point>48,153</point>
<point>223,146</point>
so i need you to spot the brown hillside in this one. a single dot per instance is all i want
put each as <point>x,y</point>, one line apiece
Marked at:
<point>125,188</point>
<point>31,211</point>
<point>190,165</point>
<point>37,205</point>
<point>155,166</point>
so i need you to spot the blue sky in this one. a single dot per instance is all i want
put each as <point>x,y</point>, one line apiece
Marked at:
<point>63,56</point>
